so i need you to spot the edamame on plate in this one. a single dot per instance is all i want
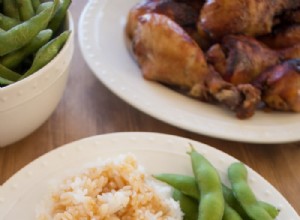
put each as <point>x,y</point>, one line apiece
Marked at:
<point>213,199</point>
<point>31,36</point>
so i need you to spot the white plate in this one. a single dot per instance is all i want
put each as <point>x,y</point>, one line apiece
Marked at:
<point>156,152</point>
<point>102,44</point>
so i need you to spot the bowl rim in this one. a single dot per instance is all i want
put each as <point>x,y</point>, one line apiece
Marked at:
<point>9,90</point>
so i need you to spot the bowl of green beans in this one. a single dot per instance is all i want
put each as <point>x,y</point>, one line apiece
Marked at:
<point>36,48</point>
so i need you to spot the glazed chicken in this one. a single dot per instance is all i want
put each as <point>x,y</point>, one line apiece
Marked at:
<point>249,17</point>
<point>155,45</point>
<point>238,53</point>
<point>290,53</point>
<point>180,12</point>
<point>292,17</point>
<point>273,84</point>
<point>283,37</point>
<point>240,59</point>
<point>184,12</point>
<point>167,54</point>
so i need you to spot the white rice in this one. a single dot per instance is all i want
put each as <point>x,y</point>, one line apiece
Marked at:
<point>117,189</point>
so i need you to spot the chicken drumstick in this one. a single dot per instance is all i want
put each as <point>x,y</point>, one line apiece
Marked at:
<point>167,54</point>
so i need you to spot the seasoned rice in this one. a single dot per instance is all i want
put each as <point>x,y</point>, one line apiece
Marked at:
<point>117,189</point>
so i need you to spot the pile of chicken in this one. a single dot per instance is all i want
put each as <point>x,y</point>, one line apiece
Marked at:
<point>241,54</point>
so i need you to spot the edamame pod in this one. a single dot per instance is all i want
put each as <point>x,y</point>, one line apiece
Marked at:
<point>237,174</point>
<point>230,214</point>
<point>10,9</point>
<point>46,53</point>
<point>22,34</point>
<point>188,205</point>
<point>9,74</point>
<point>35,4</point>
<point>233,203</point>
<point>43,6</point>
<point>59,15</point>
<point>185,184</point>
<point>209,183</point>
<point>7,23</point>
<point>13,59</point>
<point>188,186</point>
<point>5,82</point>
<point>26,10</point>
<point>272,210</point>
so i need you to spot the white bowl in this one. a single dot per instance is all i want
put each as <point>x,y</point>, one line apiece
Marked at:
<point>27,104</point>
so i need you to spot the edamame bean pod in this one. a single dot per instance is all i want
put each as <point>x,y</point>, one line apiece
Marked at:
<point>59,15</point>
<point>13,59</point>
<point>5,82</point>
<point>188,205</point>
<point>22,34</point>
<point>185,184</point>
<point>272,210</point>
<point>26,10</point>
<point>232,202</point>
<point>46,53</point>
<point>237,174</point>
<point>7,23</point>
<point>10,9</point>
<point>45,5</point>
<point>9,74</point>
<point>230,213</point>
<point>35,4</point>
<point>212,202</point>
<point>188,186</point>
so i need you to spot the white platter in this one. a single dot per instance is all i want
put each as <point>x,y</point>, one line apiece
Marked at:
<point>156,152</point>
<point>102,43</point>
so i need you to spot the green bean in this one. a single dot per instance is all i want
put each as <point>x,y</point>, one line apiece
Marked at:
<point>26,10</point>
<point>10,9</point>
<point>5,82</point>
<point>232,202</point>
<point>45,5</point>
<point>188,205</point>
<point>35,4</point>
<point>188,186</point>
<point>46,53</point>
<point>237,174</point>
<point>59,15</point>
<point>7,23</point>
<point>9,74</point>
<point>185,184</point>
<point>230,213</point>
<point>13,59</point>
<point>1,30</point>
<point>22,34</point>
<point>212,202</point>
<point>272,210</point>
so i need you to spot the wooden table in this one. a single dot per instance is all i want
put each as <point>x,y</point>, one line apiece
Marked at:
<point>88,108</point>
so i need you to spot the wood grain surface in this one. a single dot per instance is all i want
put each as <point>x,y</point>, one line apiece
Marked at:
<point>88,108</point>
